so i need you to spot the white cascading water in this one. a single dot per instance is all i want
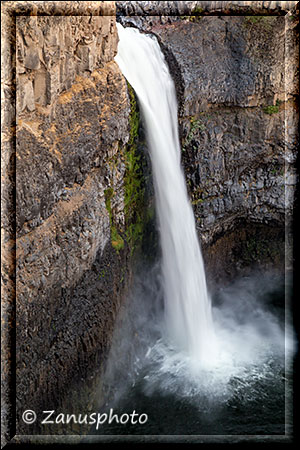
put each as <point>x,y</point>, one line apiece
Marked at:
<point>188,312</point>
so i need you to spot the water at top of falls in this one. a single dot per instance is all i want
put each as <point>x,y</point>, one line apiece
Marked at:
<point>188,316</point>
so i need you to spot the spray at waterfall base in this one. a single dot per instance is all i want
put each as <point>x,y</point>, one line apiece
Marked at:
<point>231,355</point>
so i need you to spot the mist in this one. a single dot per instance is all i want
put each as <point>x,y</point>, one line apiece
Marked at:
<point>253,340</point>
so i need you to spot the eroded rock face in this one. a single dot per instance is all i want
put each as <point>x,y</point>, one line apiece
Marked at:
<point>52,51</point>
<point>237,82</point>
<point>68,143</point>
<point>241,172</point>
<point>239,85</point>
<point>170,8</point>
<point>72,129</point>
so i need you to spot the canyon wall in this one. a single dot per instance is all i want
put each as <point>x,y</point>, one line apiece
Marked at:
<point>237,83</point>
<point>73,220</point>
<point>74,170</point>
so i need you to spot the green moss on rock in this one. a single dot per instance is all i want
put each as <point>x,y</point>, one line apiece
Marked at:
<point>134,182</point>
<point>117,241</point>
<point>134,118</point>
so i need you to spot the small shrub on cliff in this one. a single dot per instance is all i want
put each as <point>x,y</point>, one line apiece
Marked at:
<point>271,109</point>
<point>196,124</point>
<point>197,10</point>
<point>196,15</point>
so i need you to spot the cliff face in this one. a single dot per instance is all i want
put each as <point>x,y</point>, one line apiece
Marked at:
<point>236,79</point>
<point>78,184</point>
<point>72,255</point>
<point>238,124</point>
<point>239,87</point>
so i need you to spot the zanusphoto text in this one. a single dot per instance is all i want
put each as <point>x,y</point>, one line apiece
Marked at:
<point>94,418</point>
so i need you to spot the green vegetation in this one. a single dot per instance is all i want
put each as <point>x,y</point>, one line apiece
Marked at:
<point>136,215</point>
<point>197,201</point>
<point>196,125</point>
<point>277,169</point>
<point>122,275</point>
<point>272,109</point>
<point>191,18</point>
<point>133,182</point>
<point>265,22</point>
<point>196,15</point>
<point>134,118</point>
<point>102,273</point>
<point>197,10</point>
<point>117,241</point>
<point>108,194</point>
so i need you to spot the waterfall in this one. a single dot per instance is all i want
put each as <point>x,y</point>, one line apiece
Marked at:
<point>188,315</point>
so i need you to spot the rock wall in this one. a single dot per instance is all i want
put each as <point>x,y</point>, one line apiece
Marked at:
<point>142,9</point>
<point>73,258</point>
<point>237,83</point>
<point>236,80</point>
<point>238,90</point>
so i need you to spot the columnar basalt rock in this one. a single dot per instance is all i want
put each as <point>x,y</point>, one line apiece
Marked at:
<point>72,120</point>
<point>238,117</point>
<point>144,14</point>
<point>237,83</point>
<point>177,8</point>
<point>236,80</point>
<point>52,51</point>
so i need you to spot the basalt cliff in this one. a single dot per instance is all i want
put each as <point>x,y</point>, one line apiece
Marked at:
<point>77,196</point>
<point>236,76</point>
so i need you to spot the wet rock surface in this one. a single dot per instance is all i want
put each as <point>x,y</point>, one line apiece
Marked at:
<point>246,250</point>
<point>237,83</point>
